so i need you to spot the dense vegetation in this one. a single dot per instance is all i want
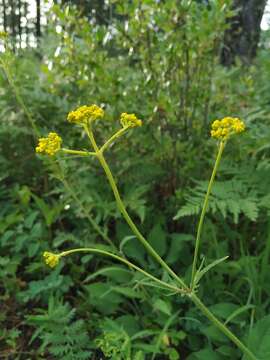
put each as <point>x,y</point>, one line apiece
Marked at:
<point>162,62</point>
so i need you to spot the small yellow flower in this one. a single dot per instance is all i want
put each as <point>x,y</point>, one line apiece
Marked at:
<point>51,259</point>
<point>216,124</point>
<point>224,128</point>
<point>130,120</point>
<point>85,113</point>
<point>3,34</point>
<point>50,144</point>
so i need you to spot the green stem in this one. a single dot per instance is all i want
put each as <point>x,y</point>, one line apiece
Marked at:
<point>221,327</point>
<point>154,254</point>
<point>115,136</point>
<point>125,214</point>
<point>126,262</point>
<point>78,152</point>
<point>204,209</point>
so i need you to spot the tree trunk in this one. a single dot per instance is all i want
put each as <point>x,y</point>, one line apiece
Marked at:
<point>242,38</point>
<point>38,29</point>
<point>19,22</point>
<point>4,15</point>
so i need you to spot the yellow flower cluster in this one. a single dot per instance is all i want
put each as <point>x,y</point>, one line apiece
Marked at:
<point>85,113</point>
<point>3,34</point>
<point>130,120</point>
<point>50,144</point>
<point>222,129</point>
<point>51,259</point>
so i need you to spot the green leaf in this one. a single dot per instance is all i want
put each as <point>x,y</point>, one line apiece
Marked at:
<point>103,297</point>
<point>259,339</point>
<point>131,247</point>
<point>214,335</point>
<point>163,307</point>
<point>29,221</point>
<point>205,354</point>
<point>228,351</point>
<point>50,213</point>
<point>128,292</point>
<point>118,273</point>
<point>139,355</point>
<point>237,312</point>
<point>177,244</point>
<point>223,310</point>
<point>201,273</point>
<point>157,239</point>
<point>129,323</point>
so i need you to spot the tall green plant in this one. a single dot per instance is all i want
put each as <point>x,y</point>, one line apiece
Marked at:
<point>86,116</point>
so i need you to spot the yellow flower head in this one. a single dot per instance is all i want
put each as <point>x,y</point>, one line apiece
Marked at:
<point>85,113</point>
<point>130,120</point>
<point>223,129</point>
<point>49,145</point>
<point>3,35</point>
<point>51,259</point>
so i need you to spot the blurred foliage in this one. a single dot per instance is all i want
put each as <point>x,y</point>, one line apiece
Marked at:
<point>159,60</point>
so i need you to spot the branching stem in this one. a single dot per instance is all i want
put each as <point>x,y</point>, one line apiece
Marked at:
<point>188,291</point>
<point>202,216</point>
<point>126,262</point>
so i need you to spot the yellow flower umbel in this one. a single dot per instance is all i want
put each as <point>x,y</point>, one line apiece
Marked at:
<point>3,35</point>
<point>223,129</point>
<point>84,114</point>
<point>130,120</point>
<point>50,144</point>
<point>51,259</point>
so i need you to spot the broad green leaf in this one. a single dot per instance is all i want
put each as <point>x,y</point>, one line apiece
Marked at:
<point>157,239</point>
<point>259,339</point>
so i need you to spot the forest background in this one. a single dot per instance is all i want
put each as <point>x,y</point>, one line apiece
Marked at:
<point>178,65</point>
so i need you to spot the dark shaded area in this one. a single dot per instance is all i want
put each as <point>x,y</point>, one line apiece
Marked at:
<point>242,38</point>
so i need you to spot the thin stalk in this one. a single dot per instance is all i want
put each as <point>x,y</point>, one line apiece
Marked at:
<point>221,327</point>
<point>115,136</point>
<point>124,261</point>
<point>154,254</point>
<point>125,214</point>
<point>78,152</point>
<point>121,207</point>
<point>204,209</point>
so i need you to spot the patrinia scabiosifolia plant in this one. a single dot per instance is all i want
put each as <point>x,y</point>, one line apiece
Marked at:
<point>87,117</point>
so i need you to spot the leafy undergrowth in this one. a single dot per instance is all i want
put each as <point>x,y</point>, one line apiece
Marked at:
<point>92,307</point>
